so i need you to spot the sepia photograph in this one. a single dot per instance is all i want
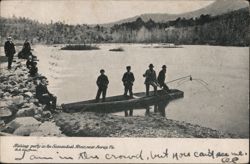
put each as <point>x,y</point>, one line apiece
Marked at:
<point>129,69</point>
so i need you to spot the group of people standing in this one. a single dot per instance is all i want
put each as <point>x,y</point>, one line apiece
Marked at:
<point>128,81</point>
<point>42,93</point>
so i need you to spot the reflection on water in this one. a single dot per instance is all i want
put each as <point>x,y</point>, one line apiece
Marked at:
<point>158,107</point>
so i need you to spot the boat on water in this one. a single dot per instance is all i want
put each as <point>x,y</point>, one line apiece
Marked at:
<point>121,102</point>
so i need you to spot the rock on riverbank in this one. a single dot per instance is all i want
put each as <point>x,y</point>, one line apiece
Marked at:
<point>20,112</point>
<point>106,125</point>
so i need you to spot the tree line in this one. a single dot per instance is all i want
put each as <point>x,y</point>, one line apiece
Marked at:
<point>227,29</point>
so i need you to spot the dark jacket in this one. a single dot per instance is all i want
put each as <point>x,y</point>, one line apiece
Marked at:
<point>29,63</point>
<point>128,78</point>
<point>33,70</point>
<point>161,77</point>
<point>40,90</point>
<point>102,81</point>
<point>26,47</point>
<point>9,48</point>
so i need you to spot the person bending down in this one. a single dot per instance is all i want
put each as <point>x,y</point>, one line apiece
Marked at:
<point>161,78</point>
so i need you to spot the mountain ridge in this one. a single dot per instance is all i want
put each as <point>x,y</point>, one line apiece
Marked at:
<point>219,7</point>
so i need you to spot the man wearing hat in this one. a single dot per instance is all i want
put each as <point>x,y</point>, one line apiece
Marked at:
<point>161,78</point>
<point>102,83</point>
<point>33,69</point>
<point>150,76</point>
<point>128,80</point>
<point>43,95</point>
<point>9,49</point>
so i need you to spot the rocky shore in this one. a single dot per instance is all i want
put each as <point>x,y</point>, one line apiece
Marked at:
<point>21,114</point>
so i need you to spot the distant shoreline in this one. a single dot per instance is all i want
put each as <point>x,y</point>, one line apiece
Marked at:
<point>19,44</point>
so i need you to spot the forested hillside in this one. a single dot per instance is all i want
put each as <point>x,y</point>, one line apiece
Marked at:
<point>227,29</point>
<point>53,33</point>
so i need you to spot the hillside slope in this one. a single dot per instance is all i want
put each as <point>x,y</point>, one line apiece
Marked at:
<point>217,8</point>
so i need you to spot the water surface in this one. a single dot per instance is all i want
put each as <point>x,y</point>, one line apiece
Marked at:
<point>223,105</point>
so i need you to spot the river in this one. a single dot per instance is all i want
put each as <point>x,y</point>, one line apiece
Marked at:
<point>223,104</point>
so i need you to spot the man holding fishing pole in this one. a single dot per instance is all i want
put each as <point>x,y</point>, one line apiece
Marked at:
<point>150,76</point>
<point>161,78</point>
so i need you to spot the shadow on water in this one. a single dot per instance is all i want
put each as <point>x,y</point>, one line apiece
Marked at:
<point>157,106</point>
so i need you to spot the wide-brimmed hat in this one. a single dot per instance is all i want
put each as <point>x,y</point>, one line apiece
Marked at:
<point>128,67</point>
<point>164,66</point>
<point>151,65</point>
<point>102,70</point>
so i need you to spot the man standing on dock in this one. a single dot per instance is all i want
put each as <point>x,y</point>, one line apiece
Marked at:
<point>161,78</point>
<point>128,80</point>
<point>102,83</point>
<point>150,76</point>
<point>9,49</point>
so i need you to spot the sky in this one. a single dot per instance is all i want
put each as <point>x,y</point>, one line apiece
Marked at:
<point>94,11</point>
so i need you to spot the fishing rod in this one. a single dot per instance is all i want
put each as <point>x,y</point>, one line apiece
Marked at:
<point>190,78</point>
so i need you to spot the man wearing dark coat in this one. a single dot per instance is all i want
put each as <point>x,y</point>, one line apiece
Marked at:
<point>26,46</point>
<point>33,69</point>
<point>128,80</point>
<point>102,83</point>
<point>43,95</point>
<point>9,49</point>
<point>26,51</point>
<point>161,78</point>
<point>30,61</point>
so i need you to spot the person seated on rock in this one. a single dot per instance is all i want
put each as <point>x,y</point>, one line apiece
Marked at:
<point>30,62</point>
<point>43,95</point>
<point>33,69</point>
<point>26,50</point>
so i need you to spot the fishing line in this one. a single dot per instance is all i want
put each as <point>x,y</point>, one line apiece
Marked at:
<point>202,81</point>
<point>184,79</point>
<point>182,82</point>
<point>203,85</point>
